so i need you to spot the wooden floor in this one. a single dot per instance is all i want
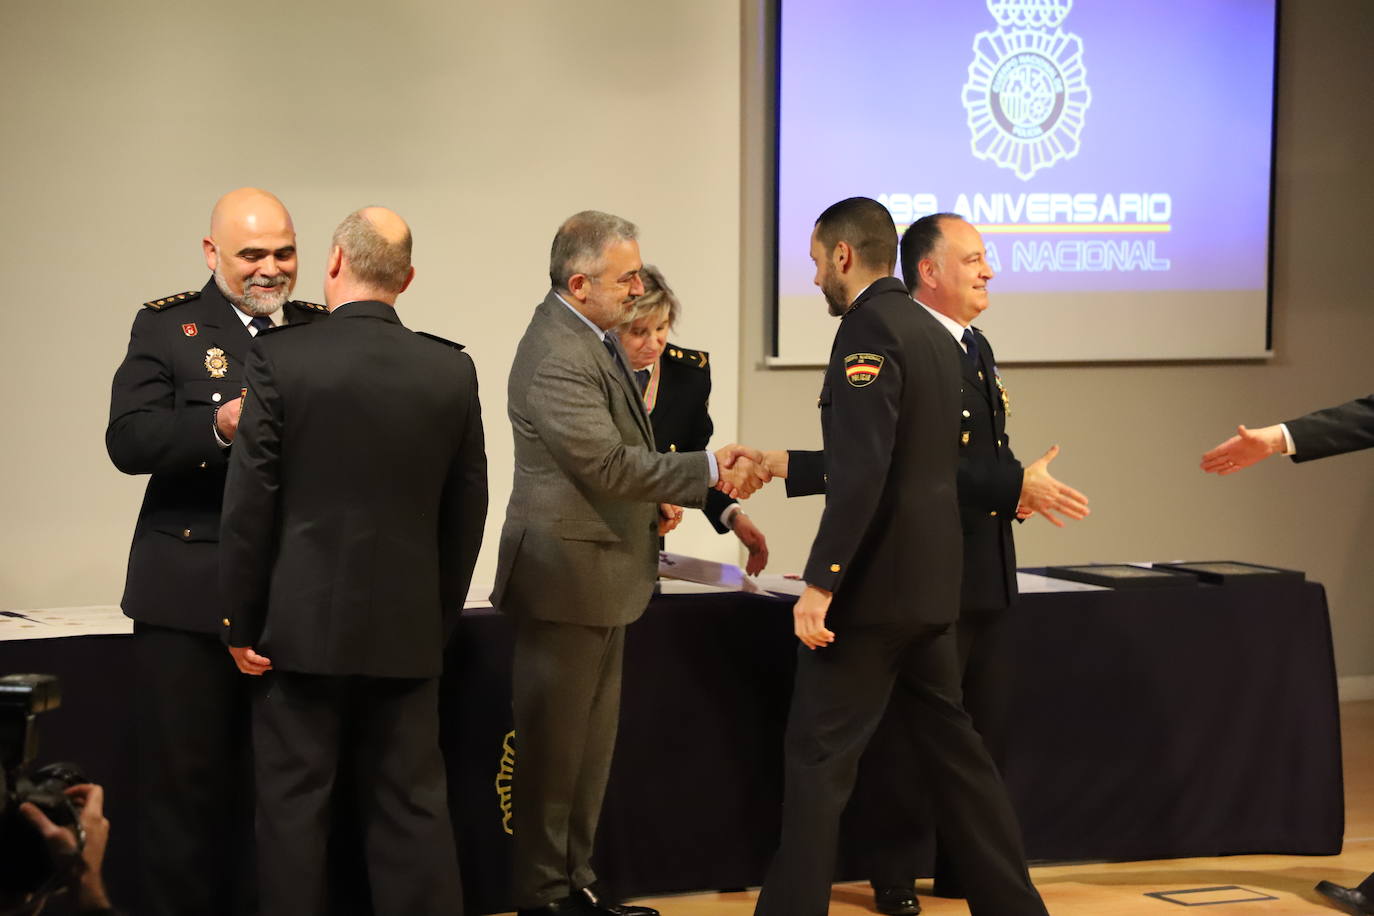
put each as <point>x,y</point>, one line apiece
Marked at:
<point>1120,889</point>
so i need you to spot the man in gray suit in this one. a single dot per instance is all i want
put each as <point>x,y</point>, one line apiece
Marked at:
<point>579,551</point>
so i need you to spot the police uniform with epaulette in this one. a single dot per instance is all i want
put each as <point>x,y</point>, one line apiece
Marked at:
<point>679,411</point>
<point>989,486</point>
<point>186,357</point>
<point>888,548</point>
<point>989,489</point>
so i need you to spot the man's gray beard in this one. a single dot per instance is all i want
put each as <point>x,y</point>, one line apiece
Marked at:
<point>255,304</point>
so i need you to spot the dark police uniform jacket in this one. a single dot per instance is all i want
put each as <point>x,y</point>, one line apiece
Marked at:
<point>989,485</point>
<point>681,416</point>
<point>1335,430</point>
<point>356,497</point>
<point>186,357</point>
<point>889,545</point>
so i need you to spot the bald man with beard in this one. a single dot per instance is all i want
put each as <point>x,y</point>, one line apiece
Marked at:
<point>174,411</point>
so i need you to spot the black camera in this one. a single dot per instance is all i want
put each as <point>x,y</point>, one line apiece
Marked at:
<point>25,865</point>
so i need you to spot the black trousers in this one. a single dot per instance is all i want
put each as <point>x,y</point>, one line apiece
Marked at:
<point>195,789</point>
<point>303,726</point>
<point>896,800</point>
<point>840,695</point>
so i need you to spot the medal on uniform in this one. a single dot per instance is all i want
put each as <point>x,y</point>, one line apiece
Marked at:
<point>218,364</point>
<point>1002,390</point>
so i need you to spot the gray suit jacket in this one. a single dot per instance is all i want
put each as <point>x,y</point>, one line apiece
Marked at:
<point>580,543</point>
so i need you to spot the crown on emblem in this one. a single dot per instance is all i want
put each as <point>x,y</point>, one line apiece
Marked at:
<point>1032,14</point>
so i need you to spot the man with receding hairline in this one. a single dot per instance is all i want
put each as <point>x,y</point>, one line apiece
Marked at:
<point>579,552</point>
<point>174,411</point>
<point>353,514</point>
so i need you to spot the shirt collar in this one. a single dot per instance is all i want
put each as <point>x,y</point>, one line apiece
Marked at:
<point>955,328</point>
<point>585,320</point>
<point>277,317</point>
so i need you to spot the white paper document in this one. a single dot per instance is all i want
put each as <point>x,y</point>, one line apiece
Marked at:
<point>54,622</point>
<point>725,577</point>
<point>1032,584</point>
<point>782,585</point>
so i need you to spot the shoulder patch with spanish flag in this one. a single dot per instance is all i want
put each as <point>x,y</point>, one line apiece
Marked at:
<point>861,369</point>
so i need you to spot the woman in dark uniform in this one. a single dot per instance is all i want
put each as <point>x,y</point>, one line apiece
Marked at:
<point>676,385</point>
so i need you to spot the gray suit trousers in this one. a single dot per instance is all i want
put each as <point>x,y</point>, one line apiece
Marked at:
<point>567,708</point>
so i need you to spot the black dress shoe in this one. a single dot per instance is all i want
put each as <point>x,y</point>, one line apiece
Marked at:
<point>896,901</point>
<point>568,906</point>
<point>602,907</point>
<point>1347,898</point>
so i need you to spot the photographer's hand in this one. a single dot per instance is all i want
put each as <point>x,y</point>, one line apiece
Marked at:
<point>89,800</point>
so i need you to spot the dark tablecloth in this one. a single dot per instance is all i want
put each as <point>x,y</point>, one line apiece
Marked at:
<point>1200,721</point>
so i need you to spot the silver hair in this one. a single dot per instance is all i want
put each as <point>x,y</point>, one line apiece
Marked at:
<point>580,245</point>
<point>658,297</point>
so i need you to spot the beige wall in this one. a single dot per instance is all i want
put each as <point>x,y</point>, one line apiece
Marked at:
<point>1131,436</point>
<point>485,124</point>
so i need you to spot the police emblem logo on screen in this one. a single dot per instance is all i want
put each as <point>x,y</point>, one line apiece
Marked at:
<point>1026,92</point>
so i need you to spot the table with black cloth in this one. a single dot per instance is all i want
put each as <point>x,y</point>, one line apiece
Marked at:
<point>1197,721</point>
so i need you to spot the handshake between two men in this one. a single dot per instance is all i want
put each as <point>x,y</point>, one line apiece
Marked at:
<point>742,472</point>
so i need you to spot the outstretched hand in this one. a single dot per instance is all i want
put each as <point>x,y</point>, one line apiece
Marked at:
<point>1041,493</point>
<point>1246,447</point>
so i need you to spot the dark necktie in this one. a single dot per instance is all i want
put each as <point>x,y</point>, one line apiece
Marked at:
<point>615,357</point>
<point>971,357</point>
<point>260,323</point>
<point>642,379</point>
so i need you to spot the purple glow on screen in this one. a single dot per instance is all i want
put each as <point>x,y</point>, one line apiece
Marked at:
<point>875,100</point>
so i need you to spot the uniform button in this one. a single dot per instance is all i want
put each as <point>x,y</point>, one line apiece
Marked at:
<point>967,414</point>
<point>225,621</point>
<point>672,447</point>
<point>993,513</point>
<point>202,464</point>
<point>215,397</point>
<point>834,567</point>
<point>186,533</point>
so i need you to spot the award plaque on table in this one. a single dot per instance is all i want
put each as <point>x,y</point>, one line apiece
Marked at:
<point>1122,575</point>
<point>1229,572</point>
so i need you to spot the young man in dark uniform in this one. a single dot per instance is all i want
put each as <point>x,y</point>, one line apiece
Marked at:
<point>876,618</point>
<point>174,410</point>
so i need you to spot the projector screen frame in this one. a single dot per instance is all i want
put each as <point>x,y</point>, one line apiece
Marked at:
<point>771,12</point>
